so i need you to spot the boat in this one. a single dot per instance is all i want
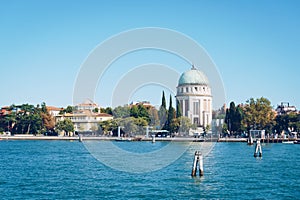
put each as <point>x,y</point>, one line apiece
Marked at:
<point>288,142</point>
<point>122,139</point>
<point>296,142</point>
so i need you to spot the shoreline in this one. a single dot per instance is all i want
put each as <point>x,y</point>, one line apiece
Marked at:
<point>175,139</point>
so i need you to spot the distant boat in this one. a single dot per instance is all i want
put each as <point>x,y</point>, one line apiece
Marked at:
<point>123,139</point>
<point>288,142</point>
<point>296,142</point>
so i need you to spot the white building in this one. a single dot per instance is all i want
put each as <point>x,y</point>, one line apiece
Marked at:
<point>285,108</point>
<point>85,117</point>
<point>194,97</point>
<point>54,111</point>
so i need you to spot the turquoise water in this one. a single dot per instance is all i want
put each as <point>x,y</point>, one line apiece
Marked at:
<point>66,170</point>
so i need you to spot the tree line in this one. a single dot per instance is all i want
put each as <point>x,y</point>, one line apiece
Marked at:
<point>257,114</point>
<point>30,119</point>
<point>135,118</point>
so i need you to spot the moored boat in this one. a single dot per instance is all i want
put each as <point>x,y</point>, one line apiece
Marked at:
<point>123,139</point>
<point>288,142</point>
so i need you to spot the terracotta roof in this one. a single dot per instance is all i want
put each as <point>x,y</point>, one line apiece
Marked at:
<point>104,115</point>
<point>53,108</point>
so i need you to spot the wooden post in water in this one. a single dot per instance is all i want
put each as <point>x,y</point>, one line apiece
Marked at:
<point>153,138</point>
<point>198,158</point>
<point>119,131</point>
<point>258,150</point>
<point>250,140</point>
<point>147,131</point>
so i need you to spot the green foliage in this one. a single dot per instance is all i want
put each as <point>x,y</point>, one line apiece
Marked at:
<point>134,112</point>
<point>107,110</point>
<point>108,125</point>
<point>169,125</point>
<point>68,109</point>
<point>139,111</point>
<point>178,109</point>
<point>233,118</point>
<point>163,101</point>
<point>258,114</point>
<point>154,118</point>
<point>65,125</point>
<point>121,111</point>
<point>25,118</point>
<point>162,114</point>
<point>225,128</point>
<point>130,125</point>
<point>184,125</point>
<point>143,113</point>
<point>287,123</point>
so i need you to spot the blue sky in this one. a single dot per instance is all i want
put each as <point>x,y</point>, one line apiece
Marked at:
<point>255,45</point>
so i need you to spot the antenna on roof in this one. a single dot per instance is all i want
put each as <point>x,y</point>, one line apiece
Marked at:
<point>193,67</point>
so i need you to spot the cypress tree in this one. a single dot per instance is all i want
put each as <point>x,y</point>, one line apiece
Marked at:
<point>171,116</point>
<point>162,113</point>
<point>163,101</point>
<point>178,109</point>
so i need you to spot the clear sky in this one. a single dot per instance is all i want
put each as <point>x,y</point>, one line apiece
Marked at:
<point>255,45</point>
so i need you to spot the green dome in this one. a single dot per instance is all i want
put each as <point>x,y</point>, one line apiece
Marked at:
<point>193,77</point>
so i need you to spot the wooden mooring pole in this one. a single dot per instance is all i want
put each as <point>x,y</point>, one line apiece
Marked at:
<point>198,160</point>
<point>250,140</point>
<point>258,150</point>
<point>153,138</point>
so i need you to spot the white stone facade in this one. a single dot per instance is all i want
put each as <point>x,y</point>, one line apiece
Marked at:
<point>194,97</point>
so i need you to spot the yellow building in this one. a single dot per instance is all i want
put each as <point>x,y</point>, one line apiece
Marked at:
<point>85,117</point>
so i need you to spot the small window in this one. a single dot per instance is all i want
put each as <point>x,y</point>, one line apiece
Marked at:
<point>196,89</point>
<point>187,89</point>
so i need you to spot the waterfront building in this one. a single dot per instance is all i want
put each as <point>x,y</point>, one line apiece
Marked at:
<point>88,105</point>
<point>85,117</point>
<point>54,111</point>
<point>285,108</point>
<point>146,104</point>
<point>194,97</point>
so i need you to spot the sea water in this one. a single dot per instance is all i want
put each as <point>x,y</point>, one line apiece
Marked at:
<point>67,170</point>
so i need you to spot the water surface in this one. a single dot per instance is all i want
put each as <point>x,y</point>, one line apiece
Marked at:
<point>66,170</point>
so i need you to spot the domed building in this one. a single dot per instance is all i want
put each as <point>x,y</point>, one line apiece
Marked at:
<point>194,97</point>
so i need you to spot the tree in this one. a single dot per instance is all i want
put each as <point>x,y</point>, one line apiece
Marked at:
<point>153,116</point>
<point>68,109</point>
<point>48,121</point>
<point>162,113</point>
<point>121,112</point>
<point>163,100</point>
<point>109,125</point>
<point>258,113</point>
<point>107,110</point>
<point>233,118</point>
<point>143,113</point>
<point>134,112</point>
<point>171,115</point>
<point>65,125</point>
<point>287,123</point>
<point>28,119</point>
<point>178,109</point>
<point>185,125</point>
